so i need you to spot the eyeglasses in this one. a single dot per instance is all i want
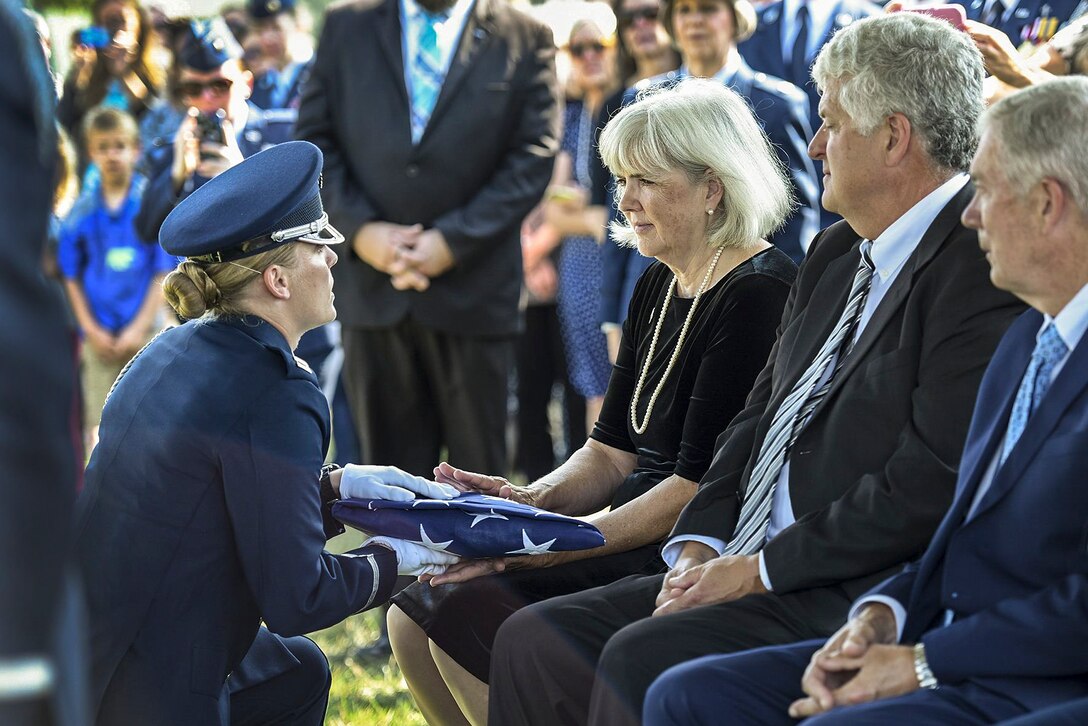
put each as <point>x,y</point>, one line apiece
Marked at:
<point>192,89</point>
<point>628,17</point>
<point>577,50</point>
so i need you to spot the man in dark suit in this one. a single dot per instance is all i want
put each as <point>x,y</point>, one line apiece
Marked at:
<point>990,623</point>
<point>843,462</point>
<point>439,126</point>
<point>37,457</point>
<point>1034,21</point>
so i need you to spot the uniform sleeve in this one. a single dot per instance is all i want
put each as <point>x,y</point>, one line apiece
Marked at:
<point>270,471</point>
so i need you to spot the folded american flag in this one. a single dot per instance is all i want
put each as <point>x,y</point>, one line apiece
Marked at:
<point>471,525</point>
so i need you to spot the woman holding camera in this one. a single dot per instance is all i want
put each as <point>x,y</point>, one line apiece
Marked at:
<point>112,64</point>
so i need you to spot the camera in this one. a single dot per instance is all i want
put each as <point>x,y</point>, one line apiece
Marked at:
<point>94,36</point>
<point>209,127</point>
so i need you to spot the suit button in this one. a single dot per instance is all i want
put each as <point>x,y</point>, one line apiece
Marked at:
<point>955,596</point>
<point>412,171</point>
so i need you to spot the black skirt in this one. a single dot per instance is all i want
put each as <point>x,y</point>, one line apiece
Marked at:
<point>462,619</point>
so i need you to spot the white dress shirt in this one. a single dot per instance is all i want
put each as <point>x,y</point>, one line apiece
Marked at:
<point>1071,323</point>
<point>889,252</point>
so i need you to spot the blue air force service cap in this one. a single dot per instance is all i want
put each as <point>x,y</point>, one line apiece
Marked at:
<point>270,199</point>
<point>269,8</point>
<point>206,45</point>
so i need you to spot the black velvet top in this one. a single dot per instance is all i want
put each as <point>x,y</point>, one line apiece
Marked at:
<point>727,345</point>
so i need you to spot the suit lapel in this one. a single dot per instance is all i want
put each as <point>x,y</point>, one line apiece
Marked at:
<point>389,40</point>
<point>826,305</point>
<point>1066,388</point>
<point>932,241</point>
<point>475,36</point>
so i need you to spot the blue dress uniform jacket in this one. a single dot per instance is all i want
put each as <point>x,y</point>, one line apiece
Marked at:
<point>262,130</point>
<point>264,88</point>
<point>1019,25</point>
<point>202,516</point>
<point>1016,572</point>
<point>782,111</point>
<point>763,51</point>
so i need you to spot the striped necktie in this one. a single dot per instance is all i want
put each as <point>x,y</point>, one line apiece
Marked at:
<point>427,73</point>
<point>1049,350</point>
<point>790,418</point>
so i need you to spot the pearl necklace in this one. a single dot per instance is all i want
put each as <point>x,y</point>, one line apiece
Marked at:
<point>676,351</point>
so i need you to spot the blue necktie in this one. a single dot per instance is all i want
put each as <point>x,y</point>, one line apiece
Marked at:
<point>799,60</point>
<point>427,73</point>
<point>793,414</point>
<point>1050,349</point>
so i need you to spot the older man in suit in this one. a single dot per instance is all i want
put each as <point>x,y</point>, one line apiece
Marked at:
<point>843,462</point>
<point>439,123</point>
<point>990,623</point>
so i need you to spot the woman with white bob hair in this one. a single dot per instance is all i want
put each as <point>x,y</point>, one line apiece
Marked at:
<point>700,188</point>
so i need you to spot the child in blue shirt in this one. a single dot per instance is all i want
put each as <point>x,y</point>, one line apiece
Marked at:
<point>112,277</point>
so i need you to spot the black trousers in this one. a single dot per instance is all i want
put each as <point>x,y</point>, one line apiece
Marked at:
<point>541,364</point>
<point>417,392</point>
<point>590,657</point>
<point>298,697</point>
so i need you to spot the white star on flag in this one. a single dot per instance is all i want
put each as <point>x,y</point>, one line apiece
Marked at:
<point>430,544</point>
<point>532,549</point>
<point>477,518</point>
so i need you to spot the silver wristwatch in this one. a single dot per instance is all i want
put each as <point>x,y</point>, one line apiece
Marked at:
<point>925,676</point>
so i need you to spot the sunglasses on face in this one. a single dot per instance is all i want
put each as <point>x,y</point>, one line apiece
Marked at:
<point>628,17</point>
<point>577,50</point>
<point>192,89</point>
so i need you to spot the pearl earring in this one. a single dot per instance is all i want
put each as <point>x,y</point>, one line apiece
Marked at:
<point>710,212</point>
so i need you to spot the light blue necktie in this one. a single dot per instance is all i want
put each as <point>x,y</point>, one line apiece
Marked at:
<point>427,73</point>
<point>1050,349</point>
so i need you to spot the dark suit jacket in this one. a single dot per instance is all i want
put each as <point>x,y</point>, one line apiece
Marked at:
<point>763,50</point>
<point>37,383</point>
<point>201,517</point>
<point>482,164</point>
<point>1016,573</point>
<point>873,471</point>
<point>1024,16</point>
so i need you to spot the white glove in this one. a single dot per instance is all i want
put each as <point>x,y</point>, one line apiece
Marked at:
<point>415,559</point>
<point>388,482</point>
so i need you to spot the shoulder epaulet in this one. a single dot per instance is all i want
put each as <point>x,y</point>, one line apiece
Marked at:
<point>778,86</point>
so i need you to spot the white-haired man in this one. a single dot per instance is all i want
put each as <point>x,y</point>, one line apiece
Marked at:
<point>993,613</point>
<point>843,462</point>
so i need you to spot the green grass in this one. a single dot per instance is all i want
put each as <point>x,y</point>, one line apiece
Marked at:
<point>364,693</point>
